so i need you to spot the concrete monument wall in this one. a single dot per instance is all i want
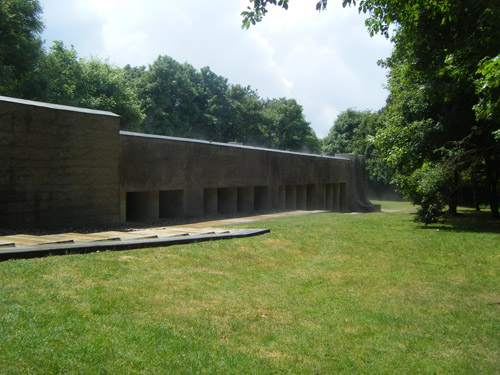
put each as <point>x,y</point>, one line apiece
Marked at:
<point>58,165</point>
<point>163,177</point>
<point>70,167</point>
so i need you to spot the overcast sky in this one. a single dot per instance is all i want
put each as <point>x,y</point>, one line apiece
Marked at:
<point>326,61</point>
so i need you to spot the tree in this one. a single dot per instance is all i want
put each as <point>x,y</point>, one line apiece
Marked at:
<point>20,30</point>
<point>89,83</point>
<point>354,131</point>
<point>442,74</point>
<point>258,10</point>
<point>438,49</point>
<point>287,128</point>
<point>248,117</point>
<point>171,94</point>
<point>341,137</point>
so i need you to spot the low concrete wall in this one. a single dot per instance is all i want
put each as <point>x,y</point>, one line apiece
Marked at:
<point>58,165</point>
<point>63,166</point>
<point>215,178</point>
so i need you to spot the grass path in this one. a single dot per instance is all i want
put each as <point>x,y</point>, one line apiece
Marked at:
<point>321,294</point>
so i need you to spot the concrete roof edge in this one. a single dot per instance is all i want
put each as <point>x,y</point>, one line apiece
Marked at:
<point>189,140</point>
<point>57,106</point>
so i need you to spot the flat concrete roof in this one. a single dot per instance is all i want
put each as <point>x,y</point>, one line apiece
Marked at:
<point>57,106</point>
<point>189,140</point>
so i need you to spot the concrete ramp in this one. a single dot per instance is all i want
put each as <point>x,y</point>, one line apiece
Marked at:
<point>26,246</point>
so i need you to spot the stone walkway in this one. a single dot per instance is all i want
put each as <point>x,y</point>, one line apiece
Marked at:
<point>25,245</point>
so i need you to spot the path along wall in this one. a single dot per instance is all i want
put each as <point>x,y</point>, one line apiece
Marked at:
<point>59,165</point>
<point>70,167</point>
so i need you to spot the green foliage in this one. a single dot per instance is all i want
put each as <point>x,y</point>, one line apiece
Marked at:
<point>488,90</point>
<point>89,83</point>
<point>342,134</point>
<point>444,84</point>
<point>106,87</point>
<point>21,47</point>
<point>61,75</point>
<point>166,98</point>
<point>181,101</point>
<point>428,187</point>
<point>258,10</point>
<point>287,128</point>
<point>354,132</point>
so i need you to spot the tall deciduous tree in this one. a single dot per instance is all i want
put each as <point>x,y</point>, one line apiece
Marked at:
<point>91,83</point>
<point>21,46</point>
<point>287,128</point>
<point>342,134</point>
<point>354,131</point>
<point>443,68</point>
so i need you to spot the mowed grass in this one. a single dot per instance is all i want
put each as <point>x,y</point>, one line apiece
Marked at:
<point>321,294</point>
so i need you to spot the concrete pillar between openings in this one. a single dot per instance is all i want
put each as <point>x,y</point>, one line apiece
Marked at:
<point>171,203</point>
<point>123,208</point>
<point>210,202</point>
<point>291,197</point>
<point>312,197</point>
<point>321,197</point>
<point>343,204</point>
<point>227,200</point>
<point>245,199</point>
<point>336,197</point>
<point>301,197</point>
<point>143,205</point>
<point>262,198</point>
<point>282,198</point>
<point>193,202</point>
<point>329,191</point>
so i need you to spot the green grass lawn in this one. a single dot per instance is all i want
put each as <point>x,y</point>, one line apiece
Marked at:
<point>321,294</point>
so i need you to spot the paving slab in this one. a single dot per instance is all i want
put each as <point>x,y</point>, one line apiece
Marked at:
<point>40,250</point>
<point>27,245</point>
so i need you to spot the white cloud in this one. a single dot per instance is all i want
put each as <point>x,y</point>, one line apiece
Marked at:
<point>326,60</point>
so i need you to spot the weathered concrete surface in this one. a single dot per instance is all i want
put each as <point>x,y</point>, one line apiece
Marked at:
<point>58,165</point>
<point>69,167</point>
<point>217,178</point>
<point>61,248</point>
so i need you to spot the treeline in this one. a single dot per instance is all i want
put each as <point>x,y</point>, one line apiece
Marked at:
<point>439,132</point>
<point>354,131</point>
<point>165,98</point>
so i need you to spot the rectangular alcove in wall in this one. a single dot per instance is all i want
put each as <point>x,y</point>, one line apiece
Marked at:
<point>342,193</point>
<point>290,197</point>
<point>143,205</point>
<point>261,198</point>
<point>282,197</point>
<point>335,197</point>
<point>301,197</point>
<point>329,197</point>
<point>245,201</point>
<point>227,200</point>
<point>311,197</point>
<point>171,203</point>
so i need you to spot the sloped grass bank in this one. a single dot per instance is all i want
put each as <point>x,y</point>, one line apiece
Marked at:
<point>321,294</point>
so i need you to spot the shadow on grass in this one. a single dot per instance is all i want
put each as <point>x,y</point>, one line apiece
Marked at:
<point>469,220</point>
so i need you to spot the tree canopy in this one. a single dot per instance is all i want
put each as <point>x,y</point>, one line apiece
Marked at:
<point>354,131</point>
<point>165,98</point>
<point>20,30</point>
<point>442,126</point>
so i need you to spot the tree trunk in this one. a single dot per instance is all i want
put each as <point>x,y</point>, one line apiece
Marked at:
<point>474,192</point>
<point>492,180</point>
<point>453,201</point>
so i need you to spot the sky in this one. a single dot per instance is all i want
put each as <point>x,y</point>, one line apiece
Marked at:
<point>327,60</point>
